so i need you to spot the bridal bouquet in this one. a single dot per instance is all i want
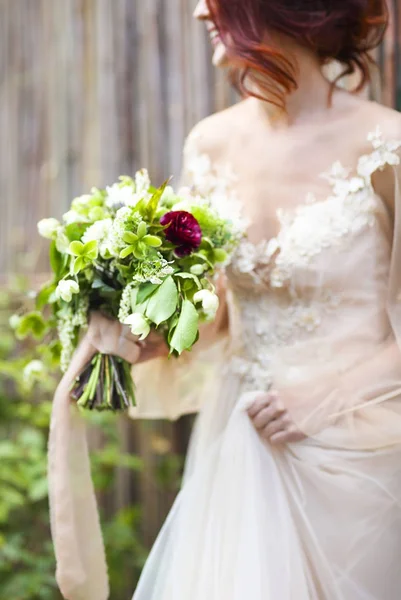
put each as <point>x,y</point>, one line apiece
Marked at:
<point>142,255</point>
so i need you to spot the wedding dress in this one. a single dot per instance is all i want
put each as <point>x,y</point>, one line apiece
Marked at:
<point>316,314</point>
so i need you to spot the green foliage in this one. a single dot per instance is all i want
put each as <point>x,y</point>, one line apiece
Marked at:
<point>163,302</point>
<point>84,254</point>
<point>186,331</point>
<point>27,562</point>
<point>31,324</point>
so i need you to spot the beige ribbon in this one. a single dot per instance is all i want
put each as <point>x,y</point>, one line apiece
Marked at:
<point>81,563</point>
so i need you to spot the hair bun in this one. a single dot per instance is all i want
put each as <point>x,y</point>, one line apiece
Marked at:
<point>343,30</point>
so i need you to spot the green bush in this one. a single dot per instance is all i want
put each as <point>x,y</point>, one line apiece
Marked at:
<point>26,556</point>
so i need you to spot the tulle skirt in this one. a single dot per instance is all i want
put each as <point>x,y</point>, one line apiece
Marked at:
<point>307,521</point>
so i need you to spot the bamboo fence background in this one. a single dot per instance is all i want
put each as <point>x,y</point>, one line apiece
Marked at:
<point>90,89</point>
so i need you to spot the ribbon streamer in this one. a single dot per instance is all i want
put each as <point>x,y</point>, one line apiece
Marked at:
<point>77,538</point>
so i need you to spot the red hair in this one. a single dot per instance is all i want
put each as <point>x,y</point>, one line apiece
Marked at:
<point>344,30</point>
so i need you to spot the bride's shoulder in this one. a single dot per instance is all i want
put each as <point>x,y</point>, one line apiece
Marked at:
<point>377,116</point>
<point>211,135</point>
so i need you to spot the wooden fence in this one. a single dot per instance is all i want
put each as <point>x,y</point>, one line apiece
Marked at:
<point>90,89</point>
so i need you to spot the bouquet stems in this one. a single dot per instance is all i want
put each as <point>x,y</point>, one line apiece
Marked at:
<point>105,383</point>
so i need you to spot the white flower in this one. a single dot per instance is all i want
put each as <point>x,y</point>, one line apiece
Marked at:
<point>168,195</point>
<point>142,182</point>
<point>376,137</point>
<point>72,216</point>
<point>47,228</point>
<point>120,196</point>
<point>183,205</point>
<point>62,241</point>
<point>83,201</point>
<point>210,302</point>
<point>139,325</point>
<point>14,321</point>
<point>32,371</point>
<point>65,289</point>
<point>99,232</point>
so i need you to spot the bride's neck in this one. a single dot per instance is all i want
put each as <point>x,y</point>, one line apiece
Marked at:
<point>309,99</point>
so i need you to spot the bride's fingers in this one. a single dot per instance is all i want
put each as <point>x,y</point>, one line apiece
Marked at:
<point>268,414</point>
<point>280,425</point>
<point>261,402</point>
<point>290,436</point>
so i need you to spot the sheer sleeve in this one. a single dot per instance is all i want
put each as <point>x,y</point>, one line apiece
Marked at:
<point>345,387</point>
<point>169,387</point>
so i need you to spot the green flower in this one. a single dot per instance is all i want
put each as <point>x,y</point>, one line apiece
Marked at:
<point>85,254</point>
<point>139,242</point>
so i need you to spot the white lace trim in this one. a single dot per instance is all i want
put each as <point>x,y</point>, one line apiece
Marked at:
<point>216,182</point>
<point>304,231</point>
<point>276,318</point>
<point>316,225</point>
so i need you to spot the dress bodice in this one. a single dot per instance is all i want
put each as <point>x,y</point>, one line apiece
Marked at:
<point>325,271</point>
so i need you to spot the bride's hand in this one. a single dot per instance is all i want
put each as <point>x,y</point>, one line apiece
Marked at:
<point>272,421</point>
<point>109,336</point>
<point>154,346</point>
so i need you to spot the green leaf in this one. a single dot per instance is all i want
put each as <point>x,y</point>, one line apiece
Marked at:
<point>43,296</point>
<point>154,201</point>
<point>74,231</point>
<point>186,331</point>
<point>142,229</point>
<point>206,242</point>
<point>163,302</point>
<point>99,284</point>
<point>127,251</point>
<point>172,325</point>
<point>130,238</point>
<point>79,264</point>
<point>203,257</point>
<point>77,248</point>
<point>90,250</point>
<point>152,240</point>
<point>57,261</point>
<point>31,324</point>
<point>140,251</point>
<point>145,291</point>
<point>39,490</point>
<point>194,278</point>
<point>220,255</point>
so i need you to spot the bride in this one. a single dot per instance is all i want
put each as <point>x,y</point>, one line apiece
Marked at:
<point>292,489</point>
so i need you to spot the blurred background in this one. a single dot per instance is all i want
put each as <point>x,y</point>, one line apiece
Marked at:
<point>91,89</point>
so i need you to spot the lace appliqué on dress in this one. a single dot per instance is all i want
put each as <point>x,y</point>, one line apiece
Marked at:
<point>316,225</point>
<point>215,182</point>
<point>273,312</point>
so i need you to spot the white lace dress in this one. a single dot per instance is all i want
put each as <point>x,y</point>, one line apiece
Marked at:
<point>316,313</point>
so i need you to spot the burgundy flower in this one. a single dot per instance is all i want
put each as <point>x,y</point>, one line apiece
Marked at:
<point>183,231</point>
